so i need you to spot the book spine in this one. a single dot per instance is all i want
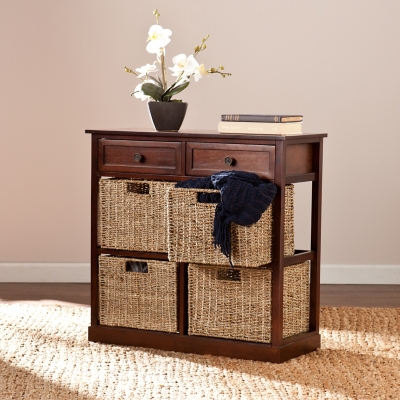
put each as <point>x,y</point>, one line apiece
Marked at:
<point>259,128</point>
<point>250,118</point>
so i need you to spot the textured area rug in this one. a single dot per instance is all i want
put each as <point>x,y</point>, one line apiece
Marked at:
<point>45,354</point>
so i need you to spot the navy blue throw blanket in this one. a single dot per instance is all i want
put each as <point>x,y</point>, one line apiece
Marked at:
<point>244,196</point>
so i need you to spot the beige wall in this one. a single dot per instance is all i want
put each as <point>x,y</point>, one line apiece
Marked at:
<point>61,72</point>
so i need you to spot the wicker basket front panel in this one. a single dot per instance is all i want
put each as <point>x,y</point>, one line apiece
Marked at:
<point>191,224</point>
<point>238,310</point>
<point>241,310</point>
<point>138,300</point>
<point>133,221</point>
<point>190,227</point>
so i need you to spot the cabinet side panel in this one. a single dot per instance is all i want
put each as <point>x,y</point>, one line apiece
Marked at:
<point>299,159</point>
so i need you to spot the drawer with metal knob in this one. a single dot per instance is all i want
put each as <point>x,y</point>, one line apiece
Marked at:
<point>203,159</point>
<point>149,157</point>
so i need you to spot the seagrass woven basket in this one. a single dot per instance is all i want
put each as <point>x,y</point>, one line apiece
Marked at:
<point>137,293</point>
<point>190,227</point>
<point>236,303</point>
<point>133,214</point>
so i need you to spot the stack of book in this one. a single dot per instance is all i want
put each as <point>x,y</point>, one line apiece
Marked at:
<point>259,124</point>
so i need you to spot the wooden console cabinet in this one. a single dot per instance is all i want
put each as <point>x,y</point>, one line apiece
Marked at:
<point>174,156</point>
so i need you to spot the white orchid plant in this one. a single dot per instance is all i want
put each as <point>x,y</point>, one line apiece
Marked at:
<point>156,88</point>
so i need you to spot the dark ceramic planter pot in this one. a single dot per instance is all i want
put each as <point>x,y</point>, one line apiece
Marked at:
<point>167,115</point>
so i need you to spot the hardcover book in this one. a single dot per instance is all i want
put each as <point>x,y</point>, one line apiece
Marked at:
<point>260,128</point>
<point>261,118</point>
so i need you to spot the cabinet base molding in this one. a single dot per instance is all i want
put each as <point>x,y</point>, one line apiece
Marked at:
<point>291,347</point>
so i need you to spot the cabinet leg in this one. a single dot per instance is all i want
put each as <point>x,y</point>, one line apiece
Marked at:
<point>183,299</point>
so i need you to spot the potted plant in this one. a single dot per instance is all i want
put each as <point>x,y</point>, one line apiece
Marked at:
<point>168,113</point>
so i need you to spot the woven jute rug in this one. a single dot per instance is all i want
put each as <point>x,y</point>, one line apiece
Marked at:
<point>45,354</point>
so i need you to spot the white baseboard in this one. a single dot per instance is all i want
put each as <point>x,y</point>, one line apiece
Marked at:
<point>45,272</point>
<point>80,273</point>
<point>360,274</point>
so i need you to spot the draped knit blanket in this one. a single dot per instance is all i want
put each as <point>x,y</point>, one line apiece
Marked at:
<point>244,197</point>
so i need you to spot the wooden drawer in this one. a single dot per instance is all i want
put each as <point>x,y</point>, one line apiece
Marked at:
<point>149,157</point>
<point>203,159</point>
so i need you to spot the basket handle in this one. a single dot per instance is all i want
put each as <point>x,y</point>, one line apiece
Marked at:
<point>137,266</point>
<point>192,195</point>
<point>231,274</point>
<point>138,187</point>
<point>207,197</point>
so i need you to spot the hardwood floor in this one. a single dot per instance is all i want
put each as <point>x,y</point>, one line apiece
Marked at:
<point>79,294</point>
<point>386,296</point>
<point>47,293</point>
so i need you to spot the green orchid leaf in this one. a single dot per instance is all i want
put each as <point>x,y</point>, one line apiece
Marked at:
<point>152,90</point>
<point>172,91</point>
<point>159,81</point>
<point>156,80</point>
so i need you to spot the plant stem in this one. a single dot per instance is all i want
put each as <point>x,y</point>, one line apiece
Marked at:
<point>179,77</point>
<point>130,71</point>
<point>201,48</point>
<point>163,70</point>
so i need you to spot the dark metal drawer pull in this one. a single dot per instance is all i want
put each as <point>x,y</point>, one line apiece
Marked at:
<point>229,160</point>
<point>137,157</point>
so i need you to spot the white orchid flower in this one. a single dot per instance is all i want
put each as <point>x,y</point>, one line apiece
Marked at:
<point>158,37</point>
<point>199,72</point>
<point>184,64</point>
<point>138,92</point>
<point>146,69</point>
